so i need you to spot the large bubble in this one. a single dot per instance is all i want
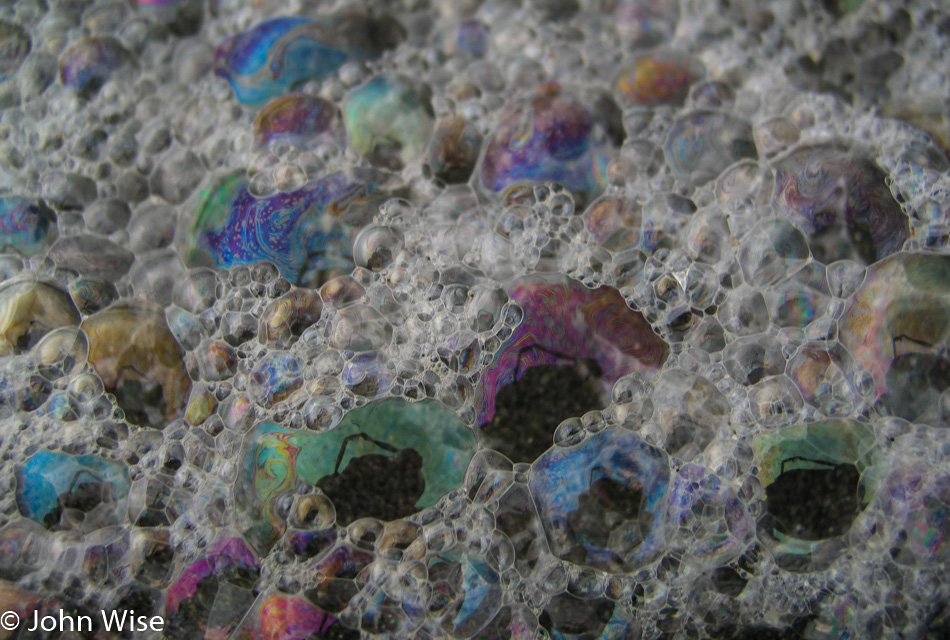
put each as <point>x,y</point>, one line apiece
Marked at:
<point>602,501</point>
<point>841,200</point>
<point>571,345</point>
<point>61,491</point>
<point>302,231</point>
<point>896,326</point>
<point>386,460</point>
<point>280,54</point>
<point>138,359</point>
<point>547,134</point>
<point>817,479</point>
<point>389,121</point>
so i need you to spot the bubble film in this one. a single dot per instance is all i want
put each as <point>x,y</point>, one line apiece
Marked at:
<point>298,119</point>
<point>16,46</point>
<point>388,121</point>
<point>894,326</point>
<point>50,483</point>
<point>842,202</point>
<point>564,319</point>
<point>89,63</point>
<point>601,501</point>
<point>546,135</point>
<point>300,231</point>
<point>280,54</point>
<point>592,334</point>
<point>661,78</point>
<point>432,451</point>
<point>139,360</point>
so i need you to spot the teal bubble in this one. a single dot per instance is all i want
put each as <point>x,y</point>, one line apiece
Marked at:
<point>51,482</point>
<point>417,451</point>
<point>389,121</point>
<point>281,54</point>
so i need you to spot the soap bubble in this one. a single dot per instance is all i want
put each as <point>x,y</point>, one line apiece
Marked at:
<point>602,501</point>
<point>138,359</point>
<point>894,326</point>
<point>560,319</point>
<point>547,134</point>
<point>281,54</point>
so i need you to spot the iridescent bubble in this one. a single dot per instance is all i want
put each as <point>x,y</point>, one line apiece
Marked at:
<point>14,47</point>
<point>89,63</point>
<point>454,150</point>
<point>703,143</point>
<point>139,360</point>
<point>60,352</point>
<point>285,618</point>
<point>216,360</point>
<point>477,588</point>
<point>614,221</point>
<point>585,338</point>
<point>212,595</point>
<point>817,478</point>
<point>917,499</point>
<point>29,310</point>
<point>276,377</point>
<point>26,225</point>
<point>842,202</point>
<point>825,376</point>
<point>707,239</point>
<point>197,292</point>
<point>92,295</point>
<point>543,135</point>
<point>62,491</point>
<point>279,55</point>
<point>336,576</point>
<point>389,121</point>
<point>395,616</point>
<point>301,120</point>
<point>645,23</point>
<point>386,460</point>
<point>200,408</point>
<point>661,77</point>
<point>360,328</point>
<point>712,524</point>
<point>775,135</point>
<point>470,37</point>
<point>341,291</point>
<point>602,501</point>
<point>287,317</point>
<point>897,326</point>
<point>376,246</point>
<point>802,298</point>
<point>303,231</point>
<point>367,374</point>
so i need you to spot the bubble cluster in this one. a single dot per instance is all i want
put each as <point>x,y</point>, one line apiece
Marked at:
<point>480,319</point>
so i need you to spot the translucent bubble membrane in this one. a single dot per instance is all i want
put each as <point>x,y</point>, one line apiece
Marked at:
<point>476,319</point>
